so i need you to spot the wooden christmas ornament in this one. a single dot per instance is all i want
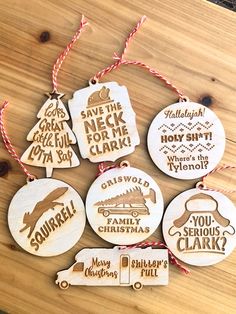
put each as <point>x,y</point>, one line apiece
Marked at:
<point>104,122</point>
<point>46,217</point>
<point>117,267</point>
<point>199,227</point>
<point>124,205</point>
<point>51,138</point>
<point>186,140</point>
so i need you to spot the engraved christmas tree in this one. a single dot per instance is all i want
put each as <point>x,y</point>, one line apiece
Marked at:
<point>131,196</point>
<point>52,138</point>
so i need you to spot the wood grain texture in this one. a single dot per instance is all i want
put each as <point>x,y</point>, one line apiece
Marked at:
<point>199,228</point>
<point>193,43</point>
<point>46,217</point>
<point>104,122</point>
<point>122,212</point>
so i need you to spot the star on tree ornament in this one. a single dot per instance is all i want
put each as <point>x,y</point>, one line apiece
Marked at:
<point>55,95</point>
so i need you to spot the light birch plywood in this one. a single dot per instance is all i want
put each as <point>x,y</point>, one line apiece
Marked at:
<point>117,267</point>
<point>52,138</point>
<point>186,140</point>
<point>200,227</point>
<point>193,43</point>
<point>46,217</point>
<point>104,122</point>
<point>124,206</point>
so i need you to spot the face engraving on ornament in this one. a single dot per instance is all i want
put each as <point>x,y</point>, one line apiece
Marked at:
<point>201,228</point>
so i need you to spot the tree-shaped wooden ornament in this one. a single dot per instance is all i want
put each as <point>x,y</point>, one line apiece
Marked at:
<point>52,138</point>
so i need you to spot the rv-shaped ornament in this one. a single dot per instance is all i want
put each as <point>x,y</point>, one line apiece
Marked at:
<point>116,266</point>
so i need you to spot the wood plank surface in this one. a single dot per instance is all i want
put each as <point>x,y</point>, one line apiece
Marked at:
<point>193,43</point>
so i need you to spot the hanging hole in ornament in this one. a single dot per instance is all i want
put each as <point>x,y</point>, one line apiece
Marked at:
<point>184,99</point>
<point>124,164</point>
<point>93,81</point>
<point>201,185</point>
<point>31,178</point>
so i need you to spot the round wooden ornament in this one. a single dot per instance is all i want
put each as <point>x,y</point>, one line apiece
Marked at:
<point>199,227</point>
<point>46,217</point>
<point>186,140</point>
<point>124,205</point>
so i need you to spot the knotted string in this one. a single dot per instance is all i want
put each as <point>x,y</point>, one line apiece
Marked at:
<point>8,144</point>
<point>120,60</point>
<point>115,65</point>
<point>160,244</point>
<point>61,58</point>
<point>202,185</point>
<point>102,167</point>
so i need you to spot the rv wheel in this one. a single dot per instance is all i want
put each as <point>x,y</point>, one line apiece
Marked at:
<point>135,214</point>
<point>106,213</point>
<point>64,285</point>
<point>137,285</point>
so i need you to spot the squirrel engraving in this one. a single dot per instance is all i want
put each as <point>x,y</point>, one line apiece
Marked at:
<point>30,219</point>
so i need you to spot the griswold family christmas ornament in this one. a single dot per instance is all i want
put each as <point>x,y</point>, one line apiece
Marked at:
<point>46,217</point>
<point>135,267</point>
<point>186,140</point>
<point>103,118</point>
<point>199,227</point>
<point>124,205</point>
<point>51,137</point>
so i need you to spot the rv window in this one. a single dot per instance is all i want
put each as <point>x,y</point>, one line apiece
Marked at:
<point>125,261</point>
<point>78,267</point>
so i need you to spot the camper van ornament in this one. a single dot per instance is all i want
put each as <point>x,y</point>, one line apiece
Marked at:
<point>117,267</point>
<point>46,217</point>
<point>124,205</point>
<point>103,122</point>
<point>186,140</point>
<point>199,227</point>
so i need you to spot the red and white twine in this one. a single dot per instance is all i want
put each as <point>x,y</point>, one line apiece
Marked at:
<point>160,244</point>
<point>154,73</point>
<point>115,65</point>
<point>120,60</point>
<point>8,144</point>
<point>203,186</point>
<point>63,55</point>
<point>102,167</point>
<point>55,70</point>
